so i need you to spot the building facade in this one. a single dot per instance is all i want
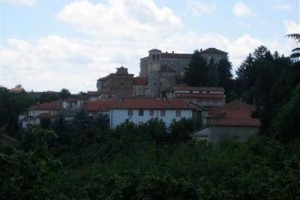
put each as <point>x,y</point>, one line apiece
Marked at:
<point>165,70</point>
<point>177,61</point>
<point>143,109</point>
<point>119,83</point>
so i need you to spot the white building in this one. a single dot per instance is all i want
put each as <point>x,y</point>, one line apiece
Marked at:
<point>39,111</point>
<point>142,110</point>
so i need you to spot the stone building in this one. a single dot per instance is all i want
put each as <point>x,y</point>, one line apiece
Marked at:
<point>165,70</point>
<point>178,61</point>
<point>119,83</point>
<point>232,120</point>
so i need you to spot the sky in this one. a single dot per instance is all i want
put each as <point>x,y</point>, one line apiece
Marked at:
<point>47,45</point>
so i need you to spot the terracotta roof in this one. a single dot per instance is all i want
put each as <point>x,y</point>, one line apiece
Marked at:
<point>148,103</point>
<point>213,51</point>
<point>190,88</point>
<point>46,106</point>
<point>45,116</point>
<point>95,106</point>
<point>200,96</point>
<point>140,80</point>
<point>235,113</point>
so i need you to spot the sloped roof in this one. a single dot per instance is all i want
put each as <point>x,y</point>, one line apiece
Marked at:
<point>46,106</point>
<point>151,103</point>
<point>213,51</point>
<point>95,106</point>
<point>45,116</point>
<point>200,96</point>
<point>235,113</point>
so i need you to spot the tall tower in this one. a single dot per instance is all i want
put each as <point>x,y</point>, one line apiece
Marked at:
<point>154,76</point>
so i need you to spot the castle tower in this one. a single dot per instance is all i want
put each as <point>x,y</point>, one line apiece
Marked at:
<point>154,76</point>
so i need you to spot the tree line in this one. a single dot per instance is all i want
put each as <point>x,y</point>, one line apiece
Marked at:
<point>268,80</point>
<point>146,162</point>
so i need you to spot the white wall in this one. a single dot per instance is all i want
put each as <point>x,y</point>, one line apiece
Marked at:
<point>118,116</point>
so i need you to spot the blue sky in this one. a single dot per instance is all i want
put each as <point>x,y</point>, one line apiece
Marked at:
<point>50,45</point>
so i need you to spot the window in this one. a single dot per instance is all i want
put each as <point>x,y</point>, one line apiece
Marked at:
<point>141,112</point>
<point>151,112</point>
<point>178,113</point>
<point>130,112</point>
<point>162,113</point>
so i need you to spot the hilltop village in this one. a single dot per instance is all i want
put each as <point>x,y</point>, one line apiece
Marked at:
<point>181,129</point>
<point>158,92</point>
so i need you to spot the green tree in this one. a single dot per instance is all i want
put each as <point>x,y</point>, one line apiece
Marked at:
<point>181,130</point>
<point>295,36</point>
<point>266,80</point>
<point>64,94</point>
<point>295,52</point>
<point>24,174</point>
<point>155,128</point>
<point>81,120</point>
<point>59,124</point>
<point>196,73</point>
<point>11,105</point>
<point>225,76</point>
<point>286,126</point>
<point>45,123</point>
<point>212,74</point>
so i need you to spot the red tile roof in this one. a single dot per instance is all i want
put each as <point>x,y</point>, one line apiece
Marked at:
<point>199,96</point>
<point>46,106</point>
<point>45,116</point>
<point>235,113</point>
<point>96,106</point>
<point>150,103</point>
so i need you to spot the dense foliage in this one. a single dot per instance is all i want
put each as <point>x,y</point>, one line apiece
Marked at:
<point>202,72</point>
<point>11,105</point>
<point>267,80</point>
<point>145,162</point>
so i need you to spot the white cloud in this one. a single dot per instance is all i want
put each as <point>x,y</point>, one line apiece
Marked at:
<point>283,7</point>
<point>241,10</point>
<point>20,2</point>
<point>55,62</point>
<point>199,7</point>
<point>291,26</point>
<point>122,33</point>
<point>121,20</point>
